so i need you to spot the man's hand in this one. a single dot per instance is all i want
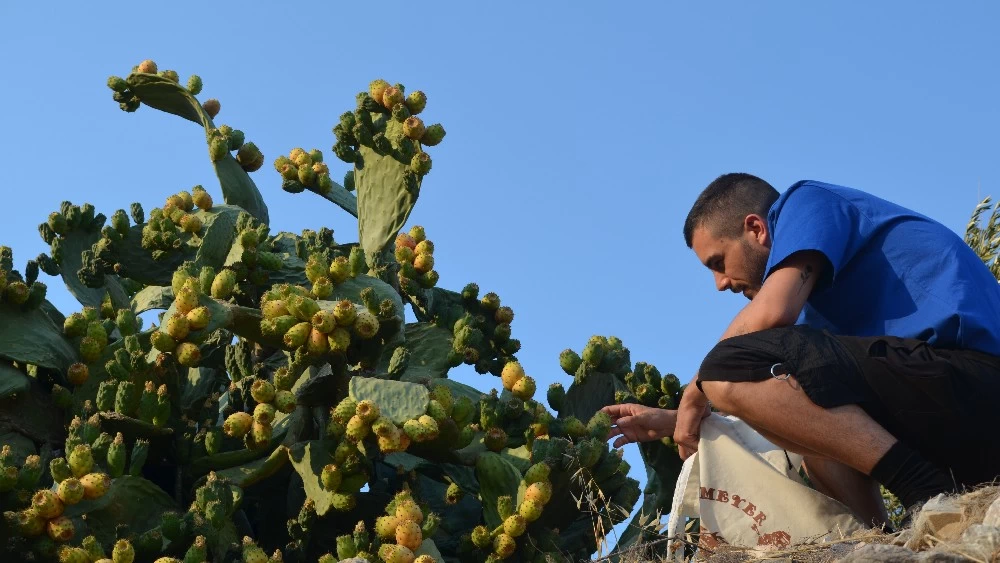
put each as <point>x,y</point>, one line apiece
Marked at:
<point>690,412</point>
<point>639,423</point>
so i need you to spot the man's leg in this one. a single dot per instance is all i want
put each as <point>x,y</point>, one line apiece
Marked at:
<point>854,489</point>
<point>844,434</point>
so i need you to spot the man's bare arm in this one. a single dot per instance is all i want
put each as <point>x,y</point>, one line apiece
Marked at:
<point>778,303</point>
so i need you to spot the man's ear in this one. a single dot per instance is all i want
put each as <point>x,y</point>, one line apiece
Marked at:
<point>755,227</point>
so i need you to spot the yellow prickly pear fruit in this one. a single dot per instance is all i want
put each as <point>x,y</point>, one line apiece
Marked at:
<point>530,510</point>
<point>524,388</point>
<point>147,67</point>
<point>409,510</point>
<point>95,485</point>
<point>385,526</point>
<point>504,546</point>
<point>390,97</point>
<point>188,354</point>
<point>366,325</point>
<point>339,340</point>
<point>514,525</point>
<point>408,535</point>
<point>367,410</point>
<point>357,429</point>
<point>237,424</point>
<point>47,504</point>
<point>539,492</point>
<point>423,262</point>
<point>201,198</point>
<point>512,373</point>
<point>413,127</point>
<point>377,88</point>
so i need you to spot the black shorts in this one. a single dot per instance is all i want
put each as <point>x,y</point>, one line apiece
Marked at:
<point>940,402</point>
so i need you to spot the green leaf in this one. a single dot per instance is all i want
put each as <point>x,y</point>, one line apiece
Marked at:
<point>519,457</point>
<point>130,499</point>
<point>397,400</point>
<point>309,459</point>
<point>256,471</point>
<point>663,466</point>
<point>227,460</point>
<point>152,297</point>
<point>168,96</point>
<point>30,337</point>
<point>219,232</point>
<point>72,246</point>
<point>12,380</point>
<point>384,201</point>
<point>201,382</point>
<point>113,422</point>
<point>352,288</point>
<point>427,547</point>
<point>497,477</point>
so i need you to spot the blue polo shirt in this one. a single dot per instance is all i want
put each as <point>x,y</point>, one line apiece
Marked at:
<point>891,271</point>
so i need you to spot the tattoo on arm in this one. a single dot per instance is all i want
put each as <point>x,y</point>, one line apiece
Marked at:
<point>805,275</point>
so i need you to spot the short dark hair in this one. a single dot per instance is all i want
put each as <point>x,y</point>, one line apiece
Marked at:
<point>726,201</point>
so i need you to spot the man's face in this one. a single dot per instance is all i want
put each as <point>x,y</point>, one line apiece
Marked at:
<point>737,263</point>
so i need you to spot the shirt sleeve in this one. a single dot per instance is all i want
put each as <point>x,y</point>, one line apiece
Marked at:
<point>811,217</point>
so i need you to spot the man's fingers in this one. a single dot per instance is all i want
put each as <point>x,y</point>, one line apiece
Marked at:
<point>617,411</point>
<point>623,440</point>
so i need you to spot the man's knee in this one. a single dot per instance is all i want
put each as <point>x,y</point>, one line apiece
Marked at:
<point>724,395</point>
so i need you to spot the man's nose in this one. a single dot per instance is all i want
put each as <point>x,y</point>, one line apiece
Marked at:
<point>722,282</point>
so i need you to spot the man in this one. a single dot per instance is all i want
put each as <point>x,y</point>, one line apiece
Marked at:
<point>871,343</point>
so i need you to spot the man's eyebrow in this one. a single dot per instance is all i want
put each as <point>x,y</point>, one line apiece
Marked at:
<point>713,258</point>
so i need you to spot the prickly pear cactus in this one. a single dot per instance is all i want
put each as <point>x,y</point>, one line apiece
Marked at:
<point>274,405</point>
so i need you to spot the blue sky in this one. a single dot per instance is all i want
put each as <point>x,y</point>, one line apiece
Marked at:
<point>578,133</point>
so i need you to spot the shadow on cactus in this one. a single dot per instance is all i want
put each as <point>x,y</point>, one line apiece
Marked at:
<point>279,407</point>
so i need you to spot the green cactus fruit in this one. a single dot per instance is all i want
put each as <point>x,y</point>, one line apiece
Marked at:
<point>58,469</point>
<point>574,428</point>
<point>264,413</point>
<point>237,424</point>
<point>77,374</point>
<point>405,255</point>
<point>569,361</point>
<point>29,523</point>
<point>122,552</point>
<point>324,321</point>
<point>126,399</point>
<point>481,537</point>
<point>188,354</point>
<point>505,506</point>
<point>331,477</point>
<point>147,403</point>
<point>599,425</point>
<point>416,101</point>
<point>421,163</point>
<point>81,460</point>
<point>670,384</point>
<point>384,427</point>
<point>303,308</point>
<point>400,112</point>
<point>259,436</point>
<point>343,502</point>
<point>262,391</point>
<point>224,284</point>
<point>316,267</point>
<point>345,410</point>
<point>75,325</point>
<point>593,352</point>
<point>90,350</point>
<point>283,379</point>
<point>297,335</point>
<point>93,548</point>
<point>537,473</point>
<point>433,134</point>
<point>340,270</point>
<point>346,547</point>
<point>116,456</point>
<point>285,401</point>
<point>162,341</point>
<point>198,552</point>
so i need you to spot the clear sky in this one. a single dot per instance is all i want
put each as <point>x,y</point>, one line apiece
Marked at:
<point>579,133</point>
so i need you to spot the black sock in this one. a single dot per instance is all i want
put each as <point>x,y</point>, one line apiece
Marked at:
<point>909,476</point>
